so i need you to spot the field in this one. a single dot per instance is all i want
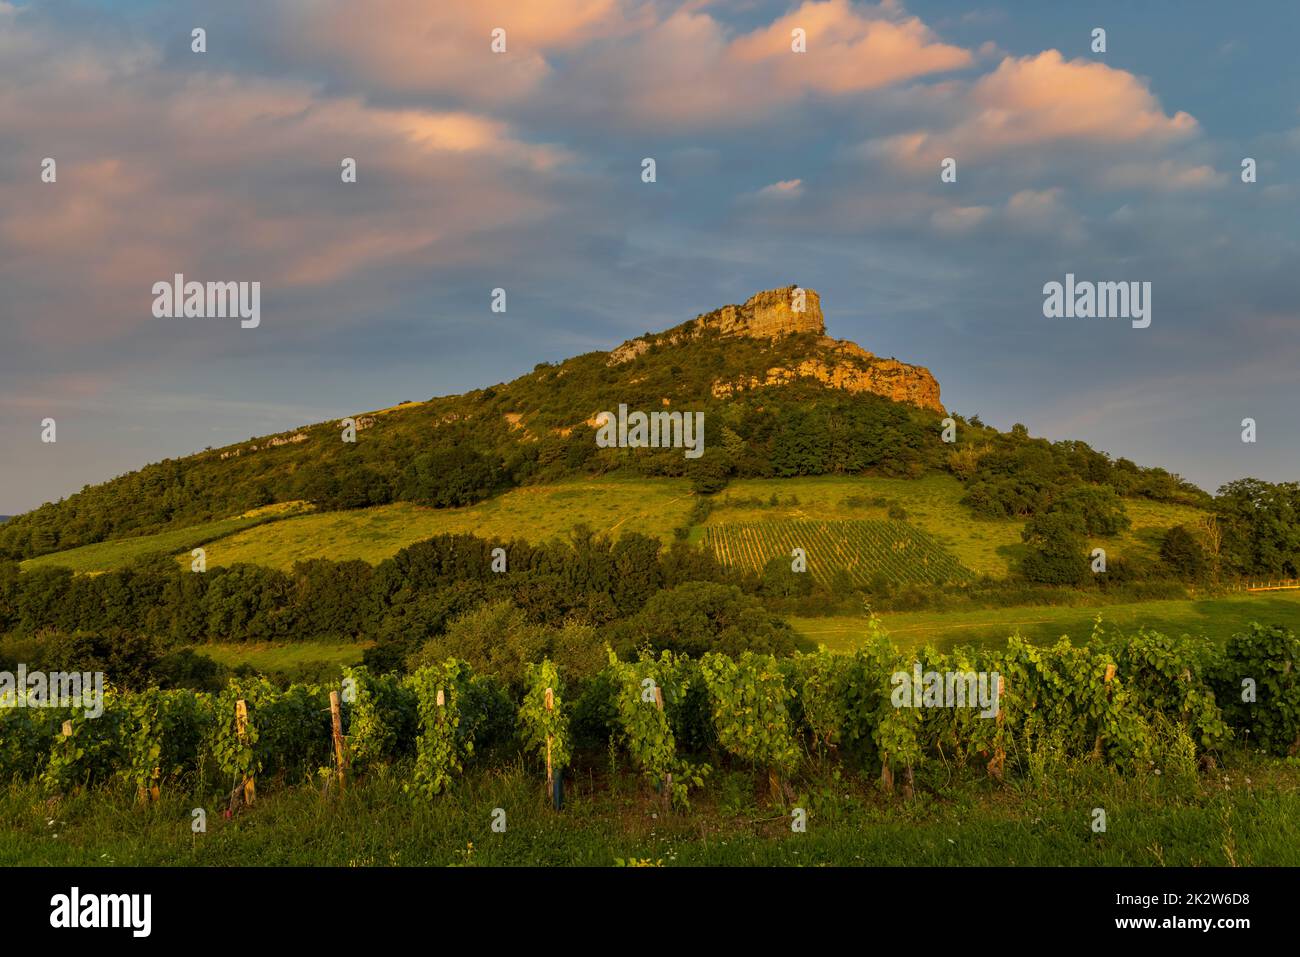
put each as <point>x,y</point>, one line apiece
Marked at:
<point>103,556</point>
<point>985,546</point>
<point>1249,814</point>
<point>864,548</point>
<point>535,513</point>
<point>612,505</point>
<point>284,656</point>
<point>1215,618</point>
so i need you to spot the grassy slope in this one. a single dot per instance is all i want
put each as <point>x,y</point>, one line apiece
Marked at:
<point>535,513</point>
<point>104,556</point>
<point>1216,618</point>
<point>284,656</point>
<point>613,505</point>
<point>1248,813</point>
<point>985,546</point>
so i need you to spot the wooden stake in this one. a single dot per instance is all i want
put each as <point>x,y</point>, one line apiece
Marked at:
<point>241,729</point>
<point>668,786</point>
<point>340,750</point>
<point>1110,674</point>
<point>550,773</point>
<point>999,758</point>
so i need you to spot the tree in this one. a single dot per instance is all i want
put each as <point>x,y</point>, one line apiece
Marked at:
<point>1058,549</point>
<point>1098,507</point>
<point>451,477</point>
<point>782,581</point>
<point>1183,554</point>
<point>698,617</point>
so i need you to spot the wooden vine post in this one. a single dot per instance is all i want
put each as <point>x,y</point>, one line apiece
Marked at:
<point>340,750</point>
<point>1110,674</point>
<point>999,759</point>
<point>554,782</point>
<point>241,729</point>
<point>668,778</point>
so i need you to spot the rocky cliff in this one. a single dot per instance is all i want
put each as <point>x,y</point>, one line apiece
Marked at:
<point>836,363</point>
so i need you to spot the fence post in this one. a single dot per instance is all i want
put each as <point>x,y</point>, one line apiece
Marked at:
<point>668,778</point>
<point>554,782</point>
<point>241,729</point>
<point>1110,674</point>
<point>999,758</point>
<point>336,727</point>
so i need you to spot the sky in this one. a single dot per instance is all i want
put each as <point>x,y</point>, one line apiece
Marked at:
<point>522,170</point>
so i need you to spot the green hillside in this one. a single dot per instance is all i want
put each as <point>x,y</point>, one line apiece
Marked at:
<point>105,556</point>
<point>777,403</point>
<point>612,505</point>
<point>534,513</point>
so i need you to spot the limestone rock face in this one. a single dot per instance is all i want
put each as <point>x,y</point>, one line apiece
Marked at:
<point>769,314</point>
<point>764,315</point>
<point>885,377</point>
<point>791,310</point>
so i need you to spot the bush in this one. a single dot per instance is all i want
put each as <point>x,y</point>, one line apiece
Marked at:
<point>699,617</point>
<point>1259,686</point>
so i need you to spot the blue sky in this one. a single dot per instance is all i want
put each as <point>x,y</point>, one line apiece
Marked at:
<point>521,170</point>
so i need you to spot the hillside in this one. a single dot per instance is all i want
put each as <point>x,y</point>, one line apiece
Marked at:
<point>779,399</point>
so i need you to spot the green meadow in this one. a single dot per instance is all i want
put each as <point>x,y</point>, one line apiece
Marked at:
<point>611,505</point>
<point>104,556</point>
<point>269,656</point>
<point>1247,813</point>
<point>535,513</point>
<point>1214,618</point>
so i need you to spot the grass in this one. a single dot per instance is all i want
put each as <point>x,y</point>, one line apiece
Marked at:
<point>612,504</point>
<point>536,513</point>
<point>1215,618</point>
<point>985,546</point>
<point>1245,813</point>
<point>104,556</point>
<point>283,656</point>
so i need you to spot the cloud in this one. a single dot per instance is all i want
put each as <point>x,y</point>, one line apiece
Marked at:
<point>847,52</point>
<point>784,190</point>
<point>232,178</point>
<point>1040,101</point>
<point>414,46</point>
<point>691,70</point>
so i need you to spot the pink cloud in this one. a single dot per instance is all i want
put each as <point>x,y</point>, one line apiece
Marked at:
<point>688,70</point>
<point>1044,99</point>
<point>445,47</point>
<point>847,52</point>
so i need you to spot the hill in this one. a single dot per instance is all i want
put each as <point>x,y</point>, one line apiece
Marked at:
<point>778,399</point>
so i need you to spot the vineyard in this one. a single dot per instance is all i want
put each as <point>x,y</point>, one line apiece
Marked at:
<point>900,552</point>
<point>1142,704</point>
